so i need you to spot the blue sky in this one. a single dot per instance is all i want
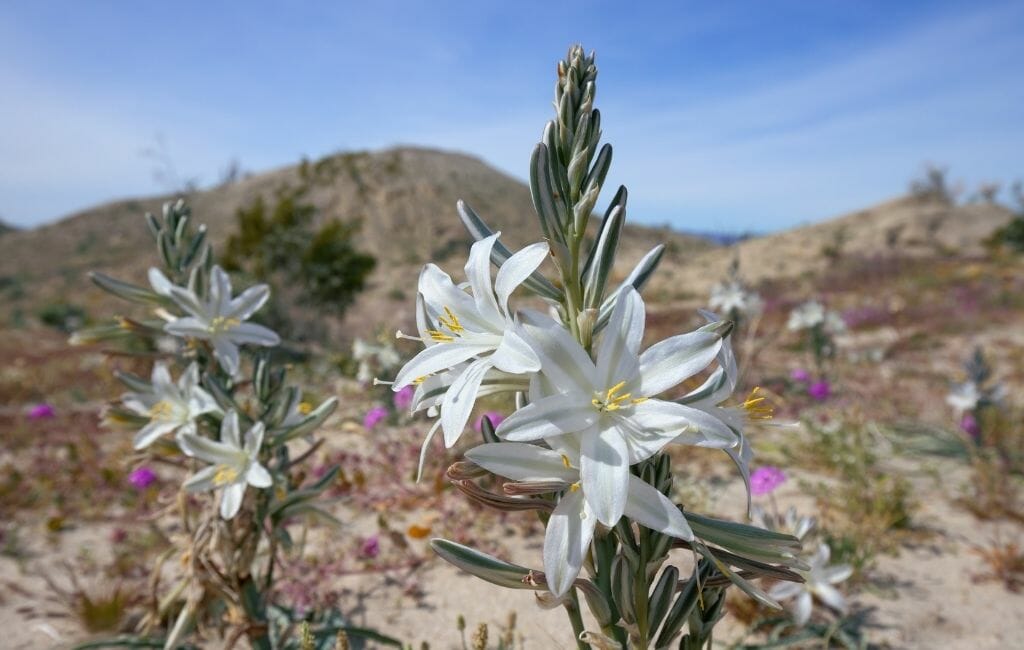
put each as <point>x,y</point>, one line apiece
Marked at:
<point>724,116</point>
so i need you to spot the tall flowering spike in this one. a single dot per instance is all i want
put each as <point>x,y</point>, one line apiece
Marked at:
<point>468,334</point>
<point>219,318</point>
<point>607,411</point>
<point>170,407</point>
<point>571,526</point>
<point>234,463</point>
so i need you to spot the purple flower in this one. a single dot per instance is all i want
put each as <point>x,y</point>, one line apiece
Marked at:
<point>970,425</point>
<point>820,390</point>
<point>142,477</point>
<point>764,480</point>
<point>42,411</point>
<point>494,416</point>
<point>370,546</point>
<point>403,398</point>
<point>374,416</point>
<point>799,374</point>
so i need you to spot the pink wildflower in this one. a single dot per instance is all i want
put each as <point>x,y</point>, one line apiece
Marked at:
<point>42,411</point>
<point>764,480</point>
<point>374,416</point>
<point>799,374</point>
<point>820,390</point>
<point>142,477</point>
<point>370,547</point>
<point>494,416</point>
<point>403,398</point>
<point>970,425</point>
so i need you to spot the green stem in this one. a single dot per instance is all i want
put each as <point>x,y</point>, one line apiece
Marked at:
<point>572,608</point>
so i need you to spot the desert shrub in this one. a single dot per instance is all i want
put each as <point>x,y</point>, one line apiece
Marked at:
<point>933,185</point>
<point>62,316</point>
<point>1012,234</point>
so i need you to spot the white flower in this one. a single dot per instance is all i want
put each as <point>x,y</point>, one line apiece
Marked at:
<point>169,407</point>
<point>478,328</point>
<point>383,358</point>
<point>731,296</point>
<point>571,525</point>
<point>219,318</point>
<point>818,582</point>
<point>813,314</point>
<point>964,397</point>
<point>234,463</point>
<point>606,410</point>
<point>791,522</point>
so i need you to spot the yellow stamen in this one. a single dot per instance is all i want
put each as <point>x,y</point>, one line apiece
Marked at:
<point>574,487</point>
<point>222,324</point>
<point>419,380</point>
<point>612,401</point>
<point>440,336</point>
<point>224,475</point>
<point>162,410</point>
<point>305,408</point>
<point>450,321</point>
<point>757,406</point>
<point>565,461</point>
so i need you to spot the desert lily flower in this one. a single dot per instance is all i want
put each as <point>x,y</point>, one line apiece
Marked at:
<point>476,327</point>
<point>818,581</point>
<point>964,397</point>
<point>607,410</point>
<point>791,523</point>
<point>731,296</point>
<point>813,314</point>
<point>170,407</point>
<point>219,318</point>
<point>571,526</point>
<point>234,463</point>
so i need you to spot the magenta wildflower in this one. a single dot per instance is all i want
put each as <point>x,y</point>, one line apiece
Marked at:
<point>142,477</point>
<point>764,480</point>
<point>494,416</point>
<point>42,411</point>
<point>970,425</point>
<point>403,398</point>
<point>820,390</point>
<point>374,416</point>
<point>799,374</point>
<point>370,547</point>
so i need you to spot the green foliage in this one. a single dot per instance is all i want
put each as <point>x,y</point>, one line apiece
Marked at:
<point>282,242</point>
<point>61,316</point>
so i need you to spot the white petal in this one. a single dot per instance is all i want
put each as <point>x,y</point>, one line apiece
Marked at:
<point>687,425</point>
<point>202,402</point>
<point>220,291</point>
<point>604,468</point>
<point>188,301</point>
<point>253,334</point>
<point>515,355</point>
<point>522,462</point>
<point>437,358</point>
<point>802,609</point>
<point>163,385</point>
<point>669,362</point>
<point>566,541</point>
<point>189,379</point>
<point>459,400</point>
<point>254,439</point>
<point>202,481</point>
<point>562,358</point>
<point>785,590</point>
<point>516,269</point>
<point>159,282</point>
<point>478,272</point>
<point>248,302</point>
<point>424,447</point>
<point>149,433</point>
<point>229,430</point>
<point>208,450</point>
<point>617,354</point>
<point>226,353</point>
<point>439,291</point>
<point>551,416</point>
<point>835,574</point>
<point>831,597</point>
<point>231,500</point>
<point>258,476</point>
<point>649,507</point>
<point>188,326</point>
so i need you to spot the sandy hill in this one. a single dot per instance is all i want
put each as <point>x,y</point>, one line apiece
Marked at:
<point>404,197</point>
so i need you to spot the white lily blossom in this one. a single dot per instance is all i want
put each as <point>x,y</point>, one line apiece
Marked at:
<point>219,318</point>
<point>234,463</point>
<point>791,523</point>
<point>170,407</point>
<point>731,296</point>
<point>817,583</point>
<point>474,332</point>
<point>607,410</point>
<point>371,357</point>
<point>571,526</point>
<point>964,397</point>
<point>813,314</point>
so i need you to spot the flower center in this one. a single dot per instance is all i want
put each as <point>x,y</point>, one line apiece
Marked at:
<point>757,406</point>
<point>225,474</point>
<point>449,321</point>
<point>220,324</point>
<point>610,400</point>
<point>162,410</point>
<point>305,408</point>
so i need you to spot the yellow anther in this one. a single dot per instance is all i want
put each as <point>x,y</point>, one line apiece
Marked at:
<point>565,461</point>
<point>161,410</point>
<point>757,406</point>
<point>574,487</point>
<point>224,475</point>
<point>305,408</point>
<point>450,321</point>
<point>640,400</point>
<point>223,323</point>
<point>440,336</point>
<point>612,401</point>
<point>419,380</point>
